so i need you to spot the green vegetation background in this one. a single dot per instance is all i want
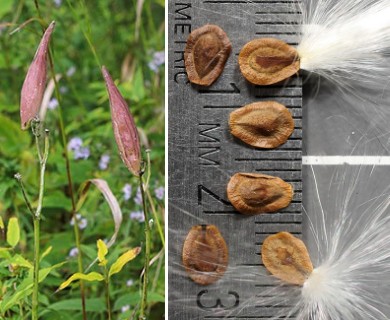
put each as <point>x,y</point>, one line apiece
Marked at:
<point>111,26</point>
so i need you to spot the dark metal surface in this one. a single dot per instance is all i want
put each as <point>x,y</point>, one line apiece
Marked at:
<point>203,156</point>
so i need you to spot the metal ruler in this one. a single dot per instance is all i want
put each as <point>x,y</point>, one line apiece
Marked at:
<point>202,156</point>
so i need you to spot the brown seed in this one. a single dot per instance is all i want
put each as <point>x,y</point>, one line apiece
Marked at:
<point>286,257</point>
<point>268,61</point>
<point>205,55</point>
<point>265,124</point>
<point>205,254</point>
<point>252,193</point>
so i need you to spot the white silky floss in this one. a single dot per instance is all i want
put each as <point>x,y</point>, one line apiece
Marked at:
<point>349,245</point>
<point>344,38</point>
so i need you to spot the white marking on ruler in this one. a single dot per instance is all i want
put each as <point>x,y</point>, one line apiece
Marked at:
<point>351,160</point>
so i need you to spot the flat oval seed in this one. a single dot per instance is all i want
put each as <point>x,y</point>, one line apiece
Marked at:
<point>265,124</point>
<point>267,61</point>
<point>205,254</point>
<point>286,257</point>
<point>205,55</point>
<point>252,193</point>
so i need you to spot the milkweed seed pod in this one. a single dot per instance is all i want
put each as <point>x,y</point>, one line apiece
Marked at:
<point>34,84</point>
<point>125,131</point>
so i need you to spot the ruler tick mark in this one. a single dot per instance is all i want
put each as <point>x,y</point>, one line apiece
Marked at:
<point>234,90</point>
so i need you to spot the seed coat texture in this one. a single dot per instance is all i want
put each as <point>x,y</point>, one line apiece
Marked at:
<point>253,193</point>
<point>265,124</point>
<point>206,53</point>
<point>268,61</point>
<point>287,258</point>
<point>205,254</point>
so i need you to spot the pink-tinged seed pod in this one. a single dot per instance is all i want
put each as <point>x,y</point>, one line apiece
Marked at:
<point>125,131</point>
<point>35,81</point>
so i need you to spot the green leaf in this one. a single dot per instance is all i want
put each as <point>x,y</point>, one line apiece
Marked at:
<point>6,6</point>
<point>127,298</point>
<point>96,305</point>
<point>25,288</point>
<point>56,199</point>
<point>122,260</point>
<point>18,260</point>
<point>52,314</point>
<point>4,253</point>
<point>3,64</point>
<point>43,273</point>
<point>102,252</point>
<point>21,292</point>
<point>134,298</point>
<point>13,232</point>
<point>137,86</point>
<point>1,223</point>
<point>92,276</point>
<point>161,2</point>
<point>46,252</point>
<point>12,140</point>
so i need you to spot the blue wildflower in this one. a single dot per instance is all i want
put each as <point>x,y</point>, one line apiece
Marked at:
<point>53,103</point>
<point>104,160</point>
<point>79,152</point>
<point>138,197</point>
<point>125,308</point>
<point>127,190</point>
<point>159,192</point>
<point>82,222</point>
<point>73,252</point>
<point>129,282</point>
<point>63,89</point>
<point>71,71</point>
<point>157,61</point>
<point>75,143</point>
<point>82,153</point>
<point>137,215</point>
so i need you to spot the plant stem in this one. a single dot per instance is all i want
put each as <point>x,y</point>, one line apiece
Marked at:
<point>18,177</point>
<point>147,252</point>
<point>37,218</point>
<point>158,269</point>
<point>21,310</point>
<point>36,269</point>
<point>156,218</point>
<point>43,161</point>
<point>157,273</point>
<point>107,282</point>
<point>87,33</point>
<point>37,7</point>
